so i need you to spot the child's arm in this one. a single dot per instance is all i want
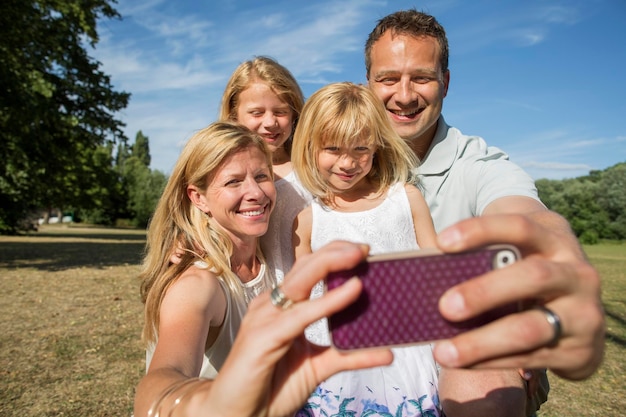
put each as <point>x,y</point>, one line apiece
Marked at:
<point>422,220</point>
<point>301,238</point>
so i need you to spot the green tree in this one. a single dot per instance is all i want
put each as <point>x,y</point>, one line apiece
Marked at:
<point>586,217</point>
<point>56,106</point>
<point>144,191</point>
<point>141,148</point>
<point>106,199</point>
<point>577,200</point>
<point>121,155</point>
<point>612,198</point>
<point>551,193</point>
<point>143,186</point>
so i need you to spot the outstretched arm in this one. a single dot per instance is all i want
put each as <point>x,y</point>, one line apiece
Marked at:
<point>271,368</point>
<point>554,272</point>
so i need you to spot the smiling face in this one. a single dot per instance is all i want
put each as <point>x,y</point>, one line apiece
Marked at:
<point>345,167</point>
<point>406,75</point>
<point>241,195</point>
<point>262,111</point>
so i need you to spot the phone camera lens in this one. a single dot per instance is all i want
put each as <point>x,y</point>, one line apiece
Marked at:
<point>504,258</point>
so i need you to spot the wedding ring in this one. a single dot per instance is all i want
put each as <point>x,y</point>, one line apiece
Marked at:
<point>279,299</point>
<point>554,320</point>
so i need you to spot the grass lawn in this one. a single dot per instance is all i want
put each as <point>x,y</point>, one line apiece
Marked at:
<point>69,337</point>
<point>604,394</point>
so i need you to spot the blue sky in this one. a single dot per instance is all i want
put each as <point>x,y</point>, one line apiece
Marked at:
<point>542,79</point>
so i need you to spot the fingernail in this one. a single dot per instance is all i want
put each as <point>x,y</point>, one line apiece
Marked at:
<point>364,248</point>
<point>449,238</point>
<point>453,303</point>
<point>446,353</point>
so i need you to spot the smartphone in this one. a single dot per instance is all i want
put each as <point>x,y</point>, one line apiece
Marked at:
<point>399,302</point>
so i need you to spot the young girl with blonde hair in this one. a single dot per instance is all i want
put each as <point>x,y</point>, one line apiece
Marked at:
<point>347,154</point>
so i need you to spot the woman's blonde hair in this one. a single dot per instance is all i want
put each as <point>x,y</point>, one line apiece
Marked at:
<point>342,114</point>
<point>266,70</point>
<point>177,224</point>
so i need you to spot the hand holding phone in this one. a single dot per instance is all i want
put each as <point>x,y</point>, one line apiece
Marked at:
<point>399,302</point>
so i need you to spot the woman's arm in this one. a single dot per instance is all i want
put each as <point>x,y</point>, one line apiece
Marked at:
<point>271,368</point>
<point>193,305</point>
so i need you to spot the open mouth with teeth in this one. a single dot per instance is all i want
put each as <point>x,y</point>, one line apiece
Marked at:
<point>405,114</point>
<point>252,213</point>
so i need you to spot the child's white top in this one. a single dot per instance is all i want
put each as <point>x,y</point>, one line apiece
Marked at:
<point>409,386</point>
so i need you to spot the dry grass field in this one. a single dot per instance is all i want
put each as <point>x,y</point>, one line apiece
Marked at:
<point>69,337</point>
<point>604,394</point>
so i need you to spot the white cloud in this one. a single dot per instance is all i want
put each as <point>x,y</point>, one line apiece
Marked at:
<point>175,58</point>
<point>558,14</point>
<point>529,37</point>
<point>557,166</point>
<point>273,21</point>
<point>308,42</point>
<point>587,143</point>
<point>524,24</point>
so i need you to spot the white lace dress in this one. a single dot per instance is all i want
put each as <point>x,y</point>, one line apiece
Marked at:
<point>408,387</point>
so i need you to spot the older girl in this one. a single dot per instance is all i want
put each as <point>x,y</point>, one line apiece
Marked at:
<point>264,96</point>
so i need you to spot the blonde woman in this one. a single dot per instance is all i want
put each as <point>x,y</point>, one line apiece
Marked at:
<point>214,208</point>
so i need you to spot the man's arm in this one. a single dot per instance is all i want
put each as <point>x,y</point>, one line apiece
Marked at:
<point>480,393</point>
<point>554,272</point>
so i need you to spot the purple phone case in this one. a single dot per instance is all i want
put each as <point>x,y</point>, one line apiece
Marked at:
<point>399,302</point>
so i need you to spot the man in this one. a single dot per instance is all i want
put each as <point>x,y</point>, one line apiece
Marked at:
<point>406,57</point>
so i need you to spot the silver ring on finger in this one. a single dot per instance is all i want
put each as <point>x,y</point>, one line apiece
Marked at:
<point>279,299</point>
<point>555,321</point>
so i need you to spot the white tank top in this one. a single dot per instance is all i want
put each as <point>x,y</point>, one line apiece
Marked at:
<point>410,383</point>
<point>387,227</point>
<point>236,307</point>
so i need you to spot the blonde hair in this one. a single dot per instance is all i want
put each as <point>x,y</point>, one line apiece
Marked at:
<point>266,70</point>
<point>342,114</point>
<point>177,224</point>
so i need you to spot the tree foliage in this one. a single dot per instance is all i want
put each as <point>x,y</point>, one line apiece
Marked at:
<point>57,108</point>
<point>141,149</point>
<point>593,204</point>
<point>143,186</point>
